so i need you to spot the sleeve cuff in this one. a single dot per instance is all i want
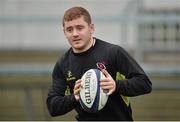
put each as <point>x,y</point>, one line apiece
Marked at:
<point>74,101</point>
<point>120,87</point>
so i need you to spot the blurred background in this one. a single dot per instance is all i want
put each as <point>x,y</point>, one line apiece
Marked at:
<point>31,40</point>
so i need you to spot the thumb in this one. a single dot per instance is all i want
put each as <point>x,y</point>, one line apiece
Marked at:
<point>105,72</point>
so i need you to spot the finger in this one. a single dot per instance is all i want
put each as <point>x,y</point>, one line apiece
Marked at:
<point>76,95</point>
<point>105,83</point>
<point>78,81</point>
<point>77,85</point>
<point>103,80</point>
<point>107,87</point>
<point>105,72</point>
<point>110,92</point>
<point>76,91</point>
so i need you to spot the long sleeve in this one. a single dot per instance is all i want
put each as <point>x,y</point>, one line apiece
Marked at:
<point>57,102</point>
<point>136,82</point>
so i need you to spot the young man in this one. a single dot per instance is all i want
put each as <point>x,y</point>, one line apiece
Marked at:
<point>124,77</point>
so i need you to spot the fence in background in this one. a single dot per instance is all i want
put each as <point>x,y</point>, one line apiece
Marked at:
<point>24,87</point>
<point>137,25</point>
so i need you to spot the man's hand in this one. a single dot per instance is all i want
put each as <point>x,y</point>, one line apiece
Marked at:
<point>108,82</point>
<point>77,89</point>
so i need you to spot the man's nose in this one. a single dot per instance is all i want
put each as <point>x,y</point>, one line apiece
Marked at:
<point>75,32</point>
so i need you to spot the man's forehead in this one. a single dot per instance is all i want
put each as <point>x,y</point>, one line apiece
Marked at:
<point>75,22</point>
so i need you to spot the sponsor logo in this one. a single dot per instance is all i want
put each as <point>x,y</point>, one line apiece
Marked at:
<point>100,65</point>
<point>70,76</point>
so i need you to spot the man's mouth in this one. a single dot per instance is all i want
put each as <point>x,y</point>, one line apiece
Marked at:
<point>76,39</point>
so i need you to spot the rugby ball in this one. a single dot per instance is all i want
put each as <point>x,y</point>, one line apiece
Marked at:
<point>92,97</point>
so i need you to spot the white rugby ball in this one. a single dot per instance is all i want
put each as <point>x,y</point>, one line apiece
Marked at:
<point>92,97</point>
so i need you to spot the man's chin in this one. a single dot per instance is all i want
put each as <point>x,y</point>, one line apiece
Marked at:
<point>78,46</point>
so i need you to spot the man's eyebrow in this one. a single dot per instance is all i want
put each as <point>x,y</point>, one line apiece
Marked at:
<point>79,25</point>
<point>69,27</point>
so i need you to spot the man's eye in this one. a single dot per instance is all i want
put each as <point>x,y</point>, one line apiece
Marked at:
<point>80,28</point>
<point>69,30</point>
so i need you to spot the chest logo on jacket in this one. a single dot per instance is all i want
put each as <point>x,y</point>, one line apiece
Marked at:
<point>70,76</point>
<point>100,65</point>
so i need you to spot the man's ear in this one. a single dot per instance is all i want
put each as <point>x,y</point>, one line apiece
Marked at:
<point>92,28</point>
<point>63,30</point>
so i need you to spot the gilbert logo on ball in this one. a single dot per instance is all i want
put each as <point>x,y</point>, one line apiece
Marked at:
<point>92,97</point>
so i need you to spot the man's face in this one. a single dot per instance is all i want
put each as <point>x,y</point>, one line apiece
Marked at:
<point>79,34</point>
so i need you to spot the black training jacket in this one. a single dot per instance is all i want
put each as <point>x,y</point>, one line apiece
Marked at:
<point>130,80</point>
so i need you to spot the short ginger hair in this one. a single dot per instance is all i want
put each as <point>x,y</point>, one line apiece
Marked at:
<point>76,12</point>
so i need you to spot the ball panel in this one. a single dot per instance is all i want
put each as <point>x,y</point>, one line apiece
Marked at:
<point>92,97</point>
<point>88,88</point>
<point>97,97</point>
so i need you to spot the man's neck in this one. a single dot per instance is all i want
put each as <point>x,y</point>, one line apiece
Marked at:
<point>91,44</point>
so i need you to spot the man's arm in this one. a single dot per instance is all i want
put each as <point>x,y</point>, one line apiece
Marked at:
<point>136,82</point>
<point>57,102</point>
